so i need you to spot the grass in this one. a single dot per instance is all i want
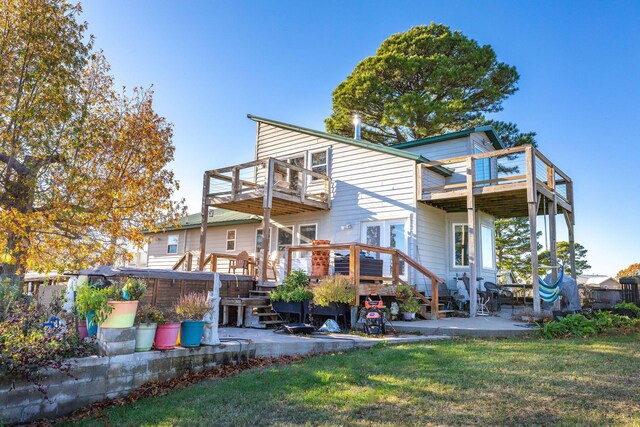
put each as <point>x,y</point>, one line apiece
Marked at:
<point>569,382</point>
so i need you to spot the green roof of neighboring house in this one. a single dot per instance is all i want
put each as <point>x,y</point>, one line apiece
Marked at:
<point>219,218</point>
<point>488,130</point>
<point>356,142</point>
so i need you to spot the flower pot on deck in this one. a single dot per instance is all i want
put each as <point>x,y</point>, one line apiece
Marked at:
<point>145,334</point>
<point>122,316</point>
<point>166,336</point>
<point>191,333</point>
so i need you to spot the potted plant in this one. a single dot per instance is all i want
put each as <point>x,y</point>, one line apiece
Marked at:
<point>409,308</point>
<point>92,307</point>
<point>403,292</point>
<point>167,331</point>
<point>292,296</point>
<point>147,320</point>
<point>332,296</point>
<point>124,298</point>
<point>191,309</point>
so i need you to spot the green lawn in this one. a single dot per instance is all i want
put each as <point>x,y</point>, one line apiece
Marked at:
<point>593,381</point>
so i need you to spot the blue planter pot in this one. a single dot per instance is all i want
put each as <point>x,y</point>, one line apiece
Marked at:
<point>191,333</point>
<point>92,325</point>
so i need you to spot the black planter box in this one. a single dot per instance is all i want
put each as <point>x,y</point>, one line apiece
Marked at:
<point>299,308</point>
<point>368,266</point>
<point>334,309</point>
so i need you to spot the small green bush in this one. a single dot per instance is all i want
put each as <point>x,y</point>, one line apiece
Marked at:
<point>134,288</point>
<point>628,306</point>
<point>293,288</point>
<point>336,289</point>
<point>89,298</point>
<point>410,306</point>
<point>149,314</point>
<point>583,326</point>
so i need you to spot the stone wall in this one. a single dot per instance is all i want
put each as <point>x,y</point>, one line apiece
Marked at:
<point>97,378</point>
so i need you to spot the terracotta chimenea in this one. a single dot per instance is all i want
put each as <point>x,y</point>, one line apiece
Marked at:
<point>320,259</point>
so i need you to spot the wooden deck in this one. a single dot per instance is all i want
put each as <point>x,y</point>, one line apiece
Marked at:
<point>366,285</point>
<point>507,195</point>
<point>514,182</point>
<point>268,183</point>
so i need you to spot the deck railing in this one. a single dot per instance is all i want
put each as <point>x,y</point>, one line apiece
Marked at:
<point>501,170</point>
<point>250,180</point>
<point>211,262</point>
<point>356,279</point>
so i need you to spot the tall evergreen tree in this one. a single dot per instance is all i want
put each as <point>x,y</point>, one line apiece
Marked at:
<point>564,257</point>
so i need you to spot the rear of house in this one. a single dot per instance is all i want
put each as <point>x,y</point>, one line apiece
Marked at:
<point>374,198</point>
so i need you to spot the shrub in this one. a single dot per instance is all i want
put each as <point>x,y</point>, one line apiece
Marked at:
<point>134,289</point>
<point>583,326</point>
<point>89,298</point>
<point>26,345</point>
<point>410,306</point>
<point>403,292</point>
<point>292,288</point>
<point>9,294</point>
<point>336,289</point>
<point>149,314</point>
<point>192,306</point>
<point>628,306</point>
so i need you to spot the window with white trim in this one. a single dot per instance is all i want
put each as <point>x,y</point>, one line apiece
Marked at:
<point>307,233</point>
<point>320,162</point>
<point>487,245</point>
<point>231,240</point>
<point>259,239</point>
<point>460,245</point>
<point>172,244</point>
<point>285,237</point>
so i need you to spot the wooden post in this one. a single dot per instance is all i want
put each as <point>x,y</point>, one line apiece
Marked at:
<point>419,172</point>
<point>434,300</point>
<point>552,208</point>
<point>288,256</point>
<point>354,269</point>
<point>266,220</point>
<point>571,222</point>
<point>214,263</point>
<point>235,182</point>
<point>395,268</point>
<point>471,227</point>
<point>205,219</point>
<point>189,260</point>
<point>533,215</point>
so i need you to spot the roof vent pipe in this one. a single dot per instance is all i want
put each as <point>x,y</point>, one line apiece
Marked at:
<point>357,123</point>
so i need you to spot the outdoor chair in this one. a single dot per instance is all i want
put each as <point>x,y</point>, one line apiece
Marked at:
<point>240,262</point>
<point>499,296</point>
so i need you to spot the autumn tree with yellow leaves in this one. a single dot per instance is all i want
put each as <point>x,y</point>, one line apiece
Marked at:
<point>82,165</point>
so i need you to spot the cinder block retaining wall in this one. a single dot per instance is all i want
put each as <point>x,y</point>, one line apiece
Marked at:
<point>96,378</point>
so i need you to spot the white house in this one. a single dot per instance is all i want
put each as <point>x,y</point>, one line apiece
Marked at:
<point>417,197</point>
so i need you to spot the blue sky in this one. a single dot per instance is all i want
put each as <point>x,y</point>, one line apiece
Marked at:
<point>211,63</point>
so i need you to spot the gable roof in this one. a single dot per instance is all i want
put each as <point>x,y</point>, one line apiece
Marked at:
<point>220,217</point>
<point>488,130</point>
<point>356,142</point>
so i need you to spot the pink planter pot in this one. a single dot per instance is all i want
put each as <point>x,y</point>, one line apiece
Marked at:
<point>166,336</point>
<point>82,329</point>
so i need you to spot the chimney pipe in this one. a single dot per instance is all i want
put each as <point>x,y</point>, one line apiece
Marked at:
<point>357,123</point>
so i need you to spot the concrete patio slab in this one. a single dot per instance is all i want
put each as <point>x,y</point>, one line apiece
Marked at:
<point>481,326</point>
<point>268,343</point>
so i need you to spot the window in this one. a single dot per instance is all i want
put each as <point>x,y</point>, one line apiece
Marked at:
<point>483,167</point>
<point>488,253</point>
<point>308,233</point>
<point>259,237</point>
<point>294,176</point>
<point>231,240</point>
<point>460,245</point>
<point>172,244</point>
<point>285,237</point>
<point>319,162</point>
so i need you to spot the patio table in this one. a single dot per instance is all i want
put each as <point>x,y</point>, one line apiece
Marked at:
<point>520,287</point>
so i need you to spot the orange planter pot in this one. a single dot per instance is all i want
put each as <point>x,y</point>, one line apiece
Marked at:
<point>122,316</point>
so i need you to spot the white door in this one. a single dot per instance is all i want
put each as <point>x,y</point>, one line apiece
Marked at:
<point>387,234</point>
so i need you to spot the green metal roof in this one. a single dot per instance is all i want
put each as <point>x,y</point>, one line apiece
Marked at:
<point>488,130</point>
<point>220,217</point>
<point>356,142</point>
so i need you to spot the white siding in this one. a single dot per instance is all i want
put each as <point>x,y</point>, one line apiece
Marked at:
<point>367,185</point>
<point>443,150</point>
<point>431,243</point>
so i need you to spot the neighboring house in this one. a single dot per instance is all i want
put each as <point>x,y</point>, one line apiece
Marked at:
<point>598,281</point>
<point>412,196</point>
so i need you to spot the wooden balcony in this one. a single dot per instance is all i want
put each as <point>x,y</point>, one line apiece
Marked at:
<point>267,183</point>
<point>382,285</point>
<point>502,182</point>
